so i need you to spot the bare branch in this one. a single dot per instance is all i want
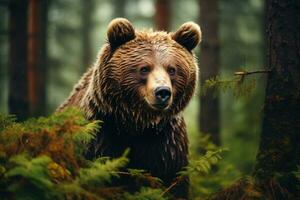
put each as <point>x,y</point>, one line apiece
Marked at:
<point>244,73</point>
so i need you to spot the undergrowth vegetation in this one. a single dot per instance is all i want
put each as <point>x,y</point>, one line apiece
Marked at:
<point>43,159</point>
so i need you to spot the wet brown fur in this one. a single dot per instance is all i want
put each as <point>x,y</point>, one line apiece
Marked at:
<point>111,91</point>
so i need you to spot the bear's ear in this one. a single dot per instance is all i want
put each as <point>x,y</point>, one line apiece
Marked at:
<point>120,31</point>
<point>188,35</point>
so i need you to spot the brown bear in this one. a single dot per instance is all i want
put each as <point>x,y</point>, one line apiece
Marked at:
<point>139,87</point>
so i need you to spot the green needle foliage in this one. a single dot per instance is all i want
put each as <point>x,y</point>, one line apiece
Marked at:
<point>204,164</point>
<point>146,194</point>
<point>43,159</point>
<point>238,85</point>
<point>34,175</point>
<point>98,173</point>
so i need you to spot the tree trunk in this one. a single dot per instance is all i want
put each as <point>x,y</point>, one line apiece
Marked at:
<point>4,35</point>
<point>18,82</point>
<point>87,10</point>
<point>37,64</point>
<point>162,15</point>
<point>209,65</point>
<point>119,8</point>
<point>279,151</point>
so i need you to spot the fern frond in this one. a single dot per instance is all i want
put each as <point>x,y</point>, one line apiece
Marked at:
<point>86,133</point>
<point>145,194</point>
<point>99,173</point>
<point>142,175</point>
<point>32,169</point>
<point>204,164</point>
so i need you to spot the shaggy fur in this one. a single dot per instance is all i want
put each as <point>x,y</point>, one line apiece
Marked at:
<point>112,91</point>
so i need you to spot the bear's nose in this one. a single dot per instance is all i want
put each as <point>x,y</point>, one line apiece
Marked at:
<point>162,94</point>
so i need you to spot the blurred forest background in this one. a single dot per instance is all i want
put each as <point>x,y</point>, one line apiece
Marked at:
<point>55,41</point>
<point>65,36</point>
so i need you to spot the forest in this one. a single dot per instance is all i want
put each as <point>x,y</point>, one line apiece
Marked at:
<point>242,123</point>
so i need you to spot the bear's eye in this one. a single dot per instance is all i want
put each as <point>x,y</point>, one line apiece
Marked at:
<point>171,71</point>
<point>144,70</point>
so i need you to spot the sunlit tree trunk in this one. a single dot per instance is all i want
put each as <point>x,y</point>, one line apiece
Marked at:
<point>18,68</point>
<point>37,64</point>
<point>279,151</point>
<point>209,68</point>
<point>162,14</point>
<point>87,11</point>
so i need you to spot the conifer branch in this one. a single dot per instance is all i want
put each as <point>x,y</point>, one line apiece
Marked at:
<point>244,73</point>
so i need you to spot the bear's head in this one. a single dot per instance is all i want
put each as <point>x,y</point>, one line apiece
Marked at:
<point>146,76</point>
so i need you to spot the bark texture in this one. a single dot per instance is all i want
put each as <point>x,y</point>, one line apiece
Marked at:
<point>162,14</point>
<point>209,63</point>
<point>37,56</point>
<point>279,151</point>
<point>18,83</point>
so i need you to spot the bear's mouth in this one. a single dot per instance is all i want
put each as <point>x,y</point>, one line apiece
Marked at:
<point>160,106</point>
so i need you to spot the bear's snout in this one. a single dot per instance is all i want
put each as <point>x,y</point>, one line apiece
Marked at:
<point>161,98</point>
<point>162,95</point>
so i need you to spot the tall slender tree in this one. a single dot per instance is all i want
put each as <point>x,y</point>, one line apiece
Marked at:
<point>162,14</point>
<point>87,25</point>
<point>4,34</point>
<point>279,151</point>
<point>209,63</point>
<point>37,56</point>
<point>119,8</point>
<point>18,65</point>
<point>278,155</point>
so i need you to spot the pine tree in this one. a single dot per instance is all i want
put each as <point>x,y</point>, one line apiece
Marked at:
<point>210,64</point>
<point>18,83</point>
<point>276,174</point>
<point>162,15</point>
<point>279,150</point>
